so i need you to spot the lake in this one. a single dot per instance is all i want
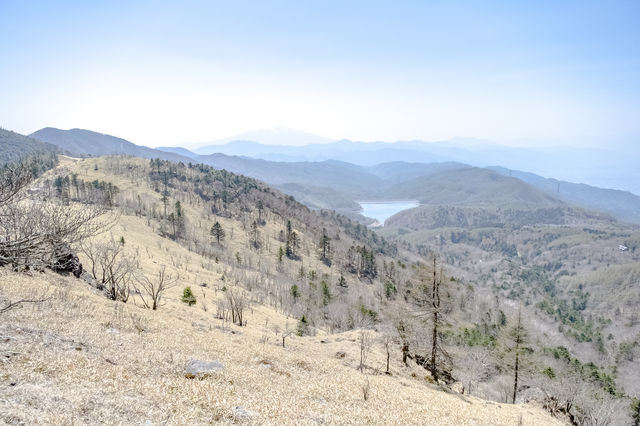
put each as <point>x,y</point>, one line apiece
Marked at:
<point>382,210</point>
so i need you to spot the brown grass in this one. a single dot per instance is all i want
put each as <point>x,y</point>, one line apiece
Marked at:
<point>80,358</point>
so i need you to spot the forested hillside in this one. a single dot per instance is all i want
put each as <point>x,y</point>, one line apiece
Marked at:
<point>15,147</point>
<point>574,272</point>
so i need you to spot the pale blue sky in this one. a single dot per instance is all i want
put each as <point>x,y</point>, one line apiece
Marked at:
<point>158,73</point>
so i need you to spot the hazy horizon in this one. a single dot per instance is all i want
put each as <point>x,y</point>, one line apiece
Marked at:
<point>162,74</point>
<point>455,141</point>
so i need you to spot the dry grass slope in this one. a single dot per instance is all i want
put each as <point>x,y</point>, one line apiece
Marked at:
<point>80,358</point>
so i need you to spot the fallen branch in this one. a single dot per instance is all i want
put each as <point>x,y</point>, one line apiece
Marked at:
<point>12,305</point>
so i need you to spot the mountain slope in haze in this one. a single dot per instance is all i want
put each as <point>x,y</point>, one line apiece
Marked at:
<point>400,171</point>
<point>360,153</point>
<point>605,168</point>
<point>344,177</point>
<point>82,142</point>
<point>14,146</point>
<point>622,204</point>
<point>473,187</point>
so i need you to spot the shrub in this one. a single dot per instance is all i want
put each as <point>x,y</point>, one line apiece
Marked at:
<point>549,372</point>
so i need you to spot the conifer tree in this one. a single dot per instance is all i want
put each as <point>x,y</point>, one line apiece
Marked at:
<point>217,232</point>
<point>325,247</point>
<point>519,338</point>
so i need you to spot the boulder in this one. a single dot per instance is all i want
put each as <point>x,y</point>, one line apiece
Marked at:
<point>196,368</point>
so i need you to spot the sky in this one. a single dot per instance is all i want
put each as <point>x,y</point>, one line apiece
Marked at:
<point>536,73</point>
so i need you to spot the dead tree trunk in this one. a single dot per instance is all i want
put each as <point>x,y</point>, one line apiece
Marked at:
<point>518,338</point>
<point>435,304</point>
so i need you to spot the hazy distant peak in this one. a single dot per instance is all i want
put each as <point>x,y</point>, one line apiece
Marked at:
<point>278,135</point>
<point>177,150</point>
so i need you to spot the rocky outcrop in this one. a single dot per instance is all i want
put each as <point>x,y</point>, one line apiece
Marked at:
<point>66,261</point>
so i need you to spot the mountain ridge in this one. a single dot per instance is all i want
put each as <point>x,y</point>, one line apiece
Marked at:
<point>332,179</point>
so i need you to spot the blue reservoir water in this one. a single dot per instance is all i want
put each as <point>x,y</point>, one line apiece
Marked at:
<point>382,210</point>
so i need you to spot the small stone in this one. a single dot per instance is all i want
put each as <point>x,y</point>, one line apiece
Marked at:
<point>341,354</point>
<point>241,412</point>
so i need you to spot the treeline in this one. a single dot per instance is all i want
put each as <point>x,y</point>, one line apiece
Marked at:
<point>72,188</point>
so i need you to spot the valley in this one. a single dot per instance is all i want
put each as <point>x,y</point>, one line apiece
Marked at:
<point>382,210</point>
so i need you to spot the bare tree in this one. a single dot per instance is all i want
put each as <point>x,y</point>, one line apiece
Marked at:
<point>435,304</point>
<point>153,289</point>
<point>288,331</point>
<point>92,250</point>
<point>112,267</point>
<point>39,233</point>
<point>388,338</point>
<point>387,341</point>
<point>13,179</point>
<point>237,303</point>
<point>432,280</point>
<point>365,341</point>
<point>403,332</point>
<point>476,365</point>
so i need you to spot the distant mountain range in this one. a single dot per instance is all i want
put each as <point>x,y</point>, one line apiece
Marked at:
<point>338,184</point>
<point>611,168</point>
